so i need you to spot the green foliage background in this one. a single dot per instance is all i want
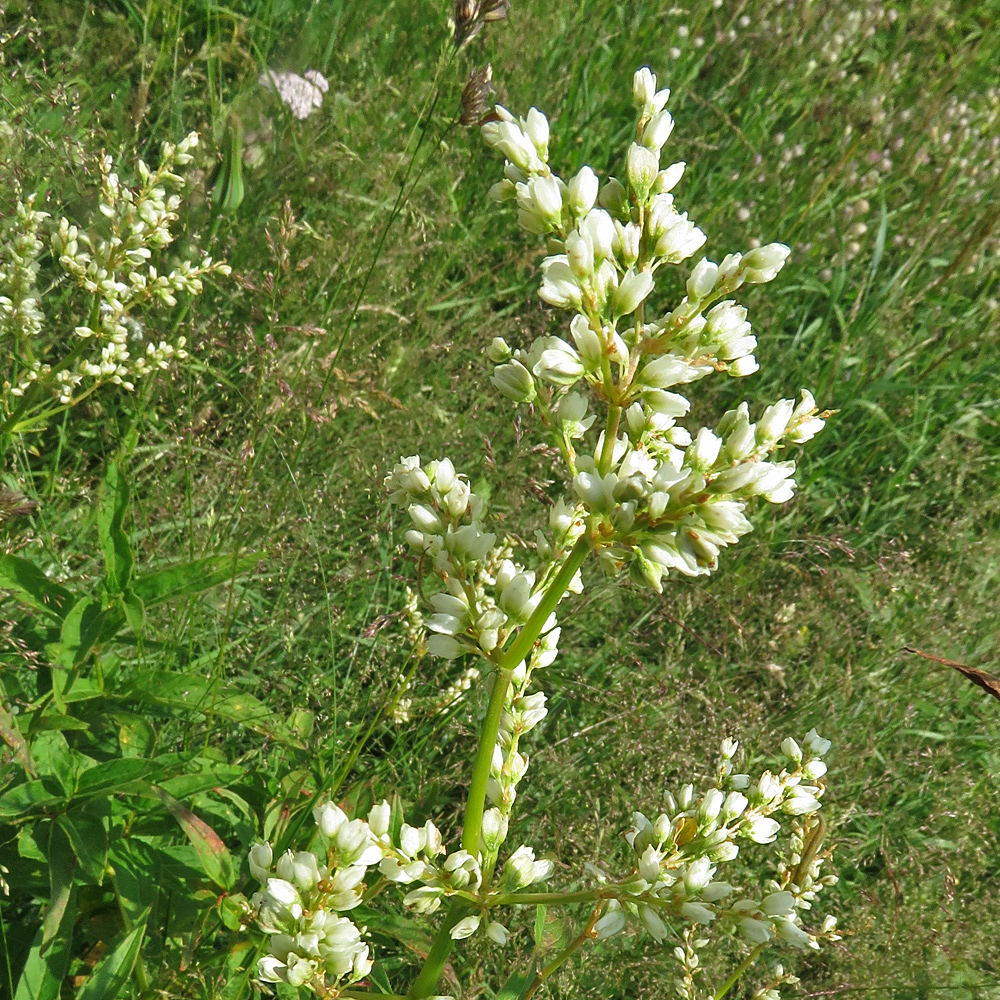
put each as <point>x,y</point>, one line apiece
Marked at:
<point>276,442</point>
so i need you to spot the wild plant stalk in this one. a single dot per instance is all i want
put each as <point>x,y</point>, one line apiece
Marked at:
<point>649,498</point>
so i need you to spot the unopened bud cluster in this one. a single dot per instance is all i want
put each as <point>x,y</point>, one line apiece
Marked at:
<point>110,261</point>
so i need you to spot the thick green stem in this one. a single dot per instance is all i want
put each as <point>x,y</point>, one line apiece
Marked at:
<point>512,656</point>
<point>426,982</point>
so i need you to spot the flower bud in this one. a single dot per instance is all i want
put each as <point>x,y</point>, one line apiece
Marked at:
<point>702,279</point>
<point>641,169</point>
<point>657,131</point>
<point>498,352</point>
<point>667,180</point>
<point>583,190</point>
<point>631,292</point>
<point>791,749</point>
<point>494,829</point>
<point>378,818</point>
<point>536,127</point>
<point>764,263</point>
<point>734,806</point>
<point>643,87</point>
<point>613,199</point>
<point>329,818</point>
<point>580,253</point>
<point>711,805</point>
<point>514,381</point>
<point>260,860</point>
<point>601,229</point>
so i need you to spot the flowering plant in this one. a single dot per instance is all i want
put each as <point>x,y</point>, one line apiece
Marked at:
<point>111,262</point>
<point>649,498</point>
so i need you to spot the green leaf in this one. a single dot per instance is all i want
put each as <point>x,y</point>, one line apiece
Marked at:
<point>184,579</point>
<point>190,692</point>
<point>89,841</point>
<point>33,588</point>
<point>540,915</point>
<point>11,735</point>
<point>136,736</point>
<point>112,506</point>
<point>212,852</point>
<point>43,974</point>
<point>113,971</point>
<point>61,870</point>
<point>115,776</point>
<point>134,610</point>
<point>31,795</point>
<point>44,722</point>
<point>240,966</point>
<point>80,631</point>
<point>379,979</point>
<point>516,986</point>
<point>395,817</point>
<point>55,759</point>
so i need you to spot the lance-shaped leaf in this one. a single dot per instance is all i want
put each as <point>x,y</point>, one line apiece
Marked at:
<point>112,973</point>
<point>33,588</point>
<point>43,973</point>
<point>184,579</point>
<point>212,852</point>
<point>112,506</point>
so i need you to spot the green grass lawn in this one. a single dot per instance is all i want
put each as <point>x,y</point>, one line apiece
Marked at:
<point>864,135</point>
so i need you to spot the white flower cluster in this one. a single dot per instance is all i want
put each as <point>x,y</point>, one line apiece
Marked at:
<point>487,595</point>
<point>659,498</point>
<point>302,897</point>
<point>21,317</point>
<point>300,903</point>
<point>111,264</point>
<point>679,853</point>
<point>302,95</point>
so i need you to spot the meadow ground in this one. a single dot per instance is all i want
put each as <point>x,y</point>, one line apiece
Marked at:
<point>865,135</point>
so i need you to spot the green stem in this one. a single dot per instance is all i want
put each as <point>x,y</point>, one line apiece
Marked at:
<point>549,898</point>
<point>610,437</point>
<point>518,650</point>
<point>741,968</point>
<point>426,982</point>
